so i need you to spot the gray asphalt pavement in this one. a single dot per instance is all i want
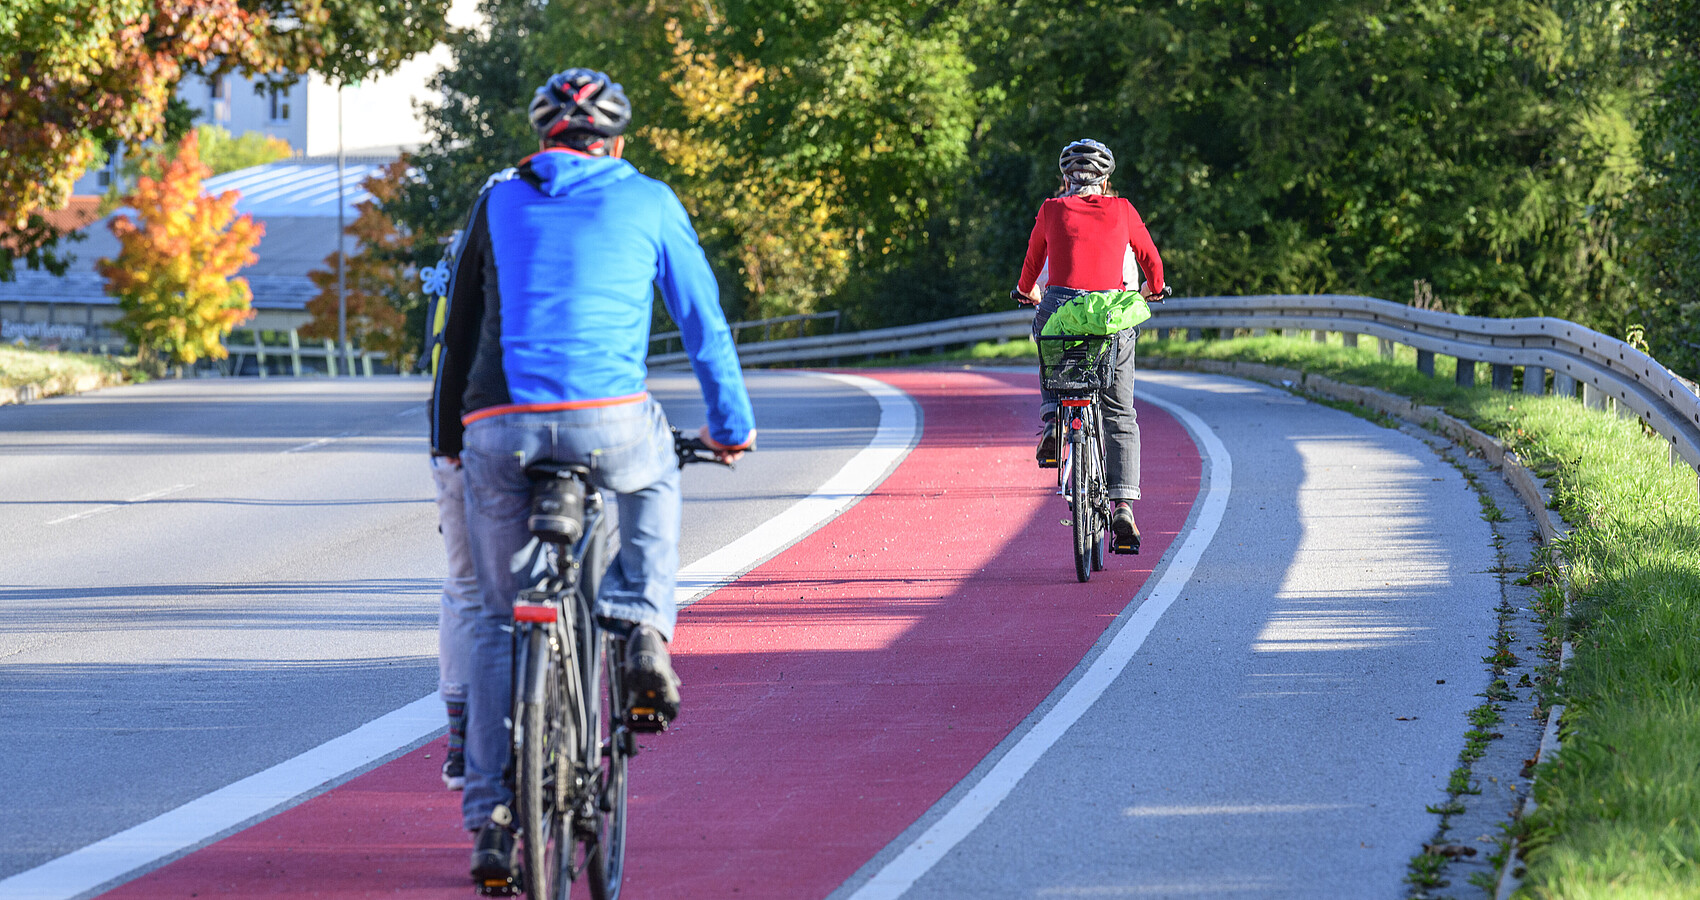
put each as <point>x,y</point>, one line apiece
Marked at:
<point>1280,732</point>
<point>201,579</point>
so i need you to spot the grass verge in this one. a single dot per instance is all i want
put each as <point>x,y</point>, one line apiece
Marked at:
<point>1618,810</point>
<point>20,366</point>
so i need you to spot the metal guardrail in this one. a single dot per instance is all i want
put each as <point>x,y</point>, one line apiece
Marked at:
<point>1604,367</point>
<point>250,355</point>
<point>255,349</point>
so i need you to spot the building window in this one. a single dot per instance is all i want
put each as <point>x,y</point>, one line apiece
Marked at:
<point>280,104</point>
<point>218,104</point>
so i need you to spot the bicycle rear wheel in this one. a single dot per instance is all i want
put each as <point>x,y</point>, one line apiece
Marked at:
<point>1080,498</point>
<point>543,758</point>
<point>1099,492</point>
<point>612,744</point>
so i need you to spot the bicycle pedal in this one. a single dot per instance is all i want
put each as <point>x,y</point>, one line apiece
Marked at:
<point>646,720</point>
<point>1127,548</point>
<point>498,887</point>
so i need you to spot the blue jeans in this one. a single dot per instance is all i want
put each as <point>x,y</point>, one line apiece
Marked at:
<point>629,451</point>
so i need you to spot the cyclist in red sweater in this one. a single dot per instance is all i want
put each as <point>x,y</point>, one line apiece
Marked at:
<point>1084,235</point>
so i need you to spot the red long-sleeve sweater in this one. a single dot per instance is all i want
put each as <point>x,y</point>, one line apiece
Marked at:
<point>1086,238</point>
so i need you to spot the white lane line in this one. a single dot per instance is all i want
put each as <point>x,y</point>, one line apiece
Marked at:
<point>203,819</point>
<point>142,498</point>
<point>410,411</point>
<point>223,809</point>
<point>320,442</point>
<point>897,432</point>
<point>977,804</point>
<point>162,492</point>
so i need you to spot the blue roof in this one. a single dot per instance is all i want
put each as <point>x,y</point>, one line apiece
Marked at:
<point>295,189</point>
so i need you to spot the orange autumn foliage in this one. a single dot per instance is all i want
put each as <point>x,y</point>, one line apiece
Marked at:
<point>174,274</point>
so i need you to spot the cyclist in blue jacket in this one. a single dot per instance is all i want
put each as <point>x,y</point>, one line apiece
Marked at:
<point>543,359</point>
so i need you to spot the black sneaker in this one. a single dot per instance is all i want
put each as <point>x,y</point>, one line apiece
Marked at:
<point>652,688</point>
<point>495,868</point>
<point>1047,452</point>
<point>1124,534</point>
<point>454,771</point>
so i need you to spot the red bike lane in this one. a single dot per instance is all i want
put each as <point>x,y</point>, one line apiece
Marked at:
<point>832,695</point>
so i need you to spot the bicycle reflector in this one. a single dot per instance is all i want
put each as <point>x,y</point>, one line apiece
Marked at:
<point>557,508</point>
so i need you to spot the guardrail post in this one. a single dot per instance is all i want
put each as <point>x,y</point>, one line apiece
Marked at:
<point>348,358</point>
<point>1465,375</point>
<point>1425,362</point>
<point>1321,337</point>
<point>330,358</point>
<point>1502,377</point>
<point>1195,334</point>
<point>366,364</point>
<point>1534,380</point>
<point>1385,347</point>
<point>1349,339</point>
<point>1563,385</point>
<point>295,352</point>
<point>259,351</point>
<point>1592,397</point>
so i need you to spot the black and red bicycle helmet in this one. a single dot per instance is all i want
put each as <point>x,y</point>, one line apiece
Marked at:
<point>580,100</point>
<point>1086,162</point>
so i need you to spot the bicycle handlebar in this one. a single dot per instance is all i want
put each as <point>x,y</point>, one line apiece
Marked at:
<point>1021,299</point>
<point>692,449</point>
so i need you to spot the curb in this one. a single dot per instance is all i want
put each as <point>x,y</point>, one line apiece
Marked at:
<point>1531,489</point>
<point>54,387</point>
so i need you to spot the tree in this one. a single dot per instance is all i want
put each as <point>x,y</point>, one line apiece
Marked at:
<point>174,273</point>
<point>1667,251</point>
<point>81,73</point>
<point>380,287</point>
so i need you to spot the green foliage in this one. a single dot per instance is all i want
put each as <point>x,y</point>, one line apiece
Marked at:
<point>886,158</point>
<point>1668,254</point>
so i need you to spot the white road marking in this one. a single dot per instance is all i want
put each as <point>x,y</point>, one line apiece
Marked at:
<point>896,434</point>
<point>204,819</point>
<point>142,498</point>
<point>410,411</point>
<point>977,804</point>
<point>319,443</point>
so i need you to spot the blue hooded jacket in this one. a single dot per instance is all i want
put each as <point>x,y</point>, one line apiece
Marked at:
<point>552,293</point>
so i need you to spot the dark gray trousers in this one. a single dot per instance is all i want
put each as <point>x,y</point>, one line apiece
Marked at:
<point>1121,424</point>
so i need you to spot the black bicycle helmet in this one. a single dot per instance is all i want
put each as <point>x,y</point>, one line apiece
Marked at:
<point>580,100</point>
<point>1086,162</point>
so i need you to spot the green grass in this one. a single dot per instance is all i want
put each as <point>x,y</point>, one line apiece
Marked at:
<point>20,366</point>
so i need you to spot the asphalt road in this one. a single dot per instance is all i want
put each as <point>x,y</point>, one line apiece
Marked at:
<point>1285,723</point>
<point>201,579</point>
<point>1309,646</point>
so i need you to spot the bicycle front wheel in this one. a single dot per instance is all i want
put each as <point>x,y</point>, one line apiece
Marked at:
<point>1080,498</point>
<point>543,756</point>
<point>605,848</point>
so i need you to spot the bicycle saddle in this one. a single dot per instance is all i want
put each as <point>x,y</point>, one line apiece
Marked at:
<point>557,501</point>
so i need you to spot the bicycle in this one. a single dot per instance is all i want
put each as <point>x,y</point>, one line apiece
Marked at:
<point>1077,369</point>
<point>573,733</point>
